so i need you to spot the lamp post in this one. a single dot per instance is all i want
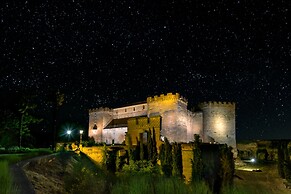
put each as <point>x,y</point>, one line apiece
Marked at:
<point>69,132</point>
<point>81,133</point>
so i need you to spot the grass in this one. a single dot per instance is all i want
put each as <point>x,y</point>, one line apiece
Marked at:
<point>143,184</point>
<point>6,184</point>
<point>14,158</point>
<point>83,174</point>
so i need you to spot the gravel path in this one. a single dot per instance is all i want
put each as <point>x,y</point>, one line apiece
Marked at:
<point>20,179</point>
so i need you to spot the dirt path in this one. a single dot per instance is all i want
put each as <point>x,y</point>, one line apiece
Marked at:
<point>267,181</point>
<point>20,179</point>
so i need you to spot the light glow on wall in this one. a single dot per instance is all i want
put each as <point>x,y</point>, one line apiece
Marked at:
<point>219,124</point>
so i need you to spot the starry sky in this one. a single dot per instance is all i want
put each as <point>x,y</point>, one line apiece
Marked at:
<point>111,53</point>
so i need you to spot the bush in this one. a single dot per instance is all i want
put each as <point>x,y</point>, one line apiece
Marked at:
<point>87,177</point>
<point>141,167</point>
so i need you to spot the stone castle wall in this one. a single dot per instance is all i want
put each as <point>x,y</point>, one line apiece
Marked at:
<point>137,126</point>
<point>194,125</point>
<point>130,111</point>
<point>170,107</point>
<point>219,122</point>
<point>114,135</point>
<point>99,117</point>
<point>216,121</point>
<point>102,116</point>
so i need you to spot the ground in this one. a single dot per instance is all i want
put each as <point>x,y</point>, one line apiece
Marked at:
<point>47,176</point>
<point>260,178</point>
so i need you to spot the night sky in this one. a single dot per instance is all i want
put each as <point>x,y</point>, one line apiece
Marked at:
<point>111,53</point>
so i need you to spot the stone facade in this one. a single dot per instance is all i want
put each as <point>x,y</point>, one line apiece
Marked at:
<point>215,121</point>
<point>219,122</point>
<point>137,128</point>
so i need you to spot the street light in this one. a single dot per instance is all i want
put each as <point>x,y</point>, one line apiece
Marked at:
<point>81,133</point>
<point>69,132</point>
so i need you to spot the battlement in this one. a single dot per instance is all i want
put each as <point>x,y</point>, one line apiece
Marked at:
<point>101,109</point>
<point>168,96</point>
<point>194,114</point>
<point>216,104</point>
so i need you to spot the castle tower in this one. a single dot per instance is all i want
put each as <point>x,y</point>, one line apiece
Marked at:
<point>219,122</point>
<point>98,119</point>
<point>169,108</point>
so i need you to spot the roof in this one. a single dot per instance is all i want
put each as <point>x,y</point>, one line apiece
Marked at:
<point>116,123</point>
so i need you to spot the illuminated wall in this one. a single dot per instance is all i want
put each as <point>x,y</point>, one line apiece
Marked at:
<point>114,135</point>
<point>136,126</point>
<point>136,110</point>
<point>194,125</point>
<point>219,122</point>
<point>98,120</point>
<point>170,107</point>
<point>101,117</point>
<point>215,121</point>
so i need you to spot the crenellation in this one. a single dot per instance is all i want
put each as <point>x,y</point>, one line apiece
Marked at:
<point>101,109</point>
<point>168,96</point>
<point>215,121</point>
<point>216,103</point>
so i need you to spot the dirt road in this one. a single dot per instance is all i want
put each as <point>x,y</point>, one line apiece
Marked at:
<point>266,181</point>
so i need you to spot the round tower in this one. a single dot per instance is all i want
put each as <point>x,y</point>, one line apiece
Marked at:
<point>98,119</point>
<point>219,122</point>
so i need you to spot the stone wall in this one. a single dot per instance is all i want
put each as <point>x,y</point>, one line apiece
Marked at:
<point>170,107</point>
<point>130,111</point>
<point>103,116</point>
<point>219,122</point>
<point>114,135</point>
<point>187,157</point>
<point>194,125</point>
<point>216,121</point>
<point>136,126</point>
<point>94,153</point>
<point>99,117</point>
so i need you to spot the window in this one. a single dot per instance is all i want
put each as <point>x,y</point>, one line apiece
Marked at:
<point>133,108</point>
<point>143,107</point>
<point>125,110</point>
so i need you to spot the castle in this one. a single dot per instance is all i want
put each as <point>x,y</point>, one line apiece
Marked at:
<point>168,116</point>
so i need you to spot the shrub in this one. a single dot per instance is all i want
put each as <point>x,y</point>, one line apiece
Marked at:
<point>87,177</point>
<point>141,167</point>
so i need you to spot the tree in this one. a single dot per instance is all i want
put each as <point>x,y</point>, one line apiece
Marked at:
<point>141,152</point>
<point>177,160</point>
<point>26,120</point>
<point>149,145</point>
<point>166,158</point>
<point>129,149</point>
<point>57,100</point>
<point>16,120</point>
<point>154,148</point>
<point>197,166</point>
<point>226,166</point>
<point>9,125</point>
<point>284,166</point>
